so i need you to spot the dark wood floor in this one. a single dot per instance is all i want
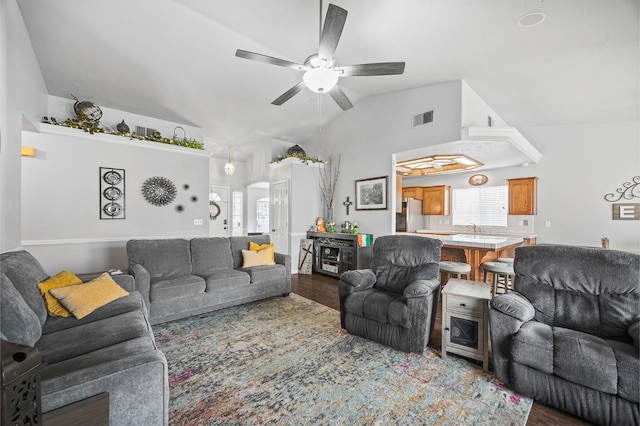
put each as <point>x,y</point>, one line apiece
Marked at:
<point>324,289</point>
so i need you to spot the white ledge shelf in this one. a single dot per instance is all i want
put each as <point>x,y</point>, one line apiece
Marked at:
<point>293,160</point>
<point>123,140</point>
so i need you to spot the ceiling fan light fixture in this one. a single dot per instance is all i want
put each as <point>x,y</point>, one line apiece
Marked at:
<point>320,79</point>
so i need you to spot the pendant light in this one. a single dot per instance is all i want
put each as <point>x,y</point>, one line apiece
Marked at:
<point>229,168</point>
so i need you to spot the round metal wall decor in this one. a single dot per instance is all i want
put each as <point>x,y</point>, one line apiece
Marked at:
<point>159,191</point>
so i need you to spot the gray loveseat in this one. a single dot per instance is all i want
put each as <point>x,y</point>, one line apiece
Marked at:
<point>179,278</point>
<point>569,335</point>
<point>110,350</point>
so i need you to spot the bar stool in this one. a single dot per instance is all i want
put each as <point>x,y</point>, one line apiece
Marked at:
<point>508,260</point>
<point>454,268</point>
<point>502,275</point>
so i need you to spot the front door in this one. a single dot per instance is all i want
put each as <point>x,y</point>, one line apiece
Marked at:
<point>279,216</point>
<point>218,211</point>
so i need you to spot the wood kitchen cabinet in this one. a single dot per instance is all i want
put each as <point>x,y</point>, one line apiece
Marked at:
<point>523,195</point>
<point>435,199</point>
<point>412,192</point>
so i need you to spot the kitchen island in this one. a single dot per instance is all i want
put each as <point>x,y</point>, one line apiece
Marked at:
<point>476,249</point>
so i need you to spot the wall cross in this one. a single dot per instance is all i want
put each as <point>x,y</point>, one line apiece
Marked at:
<point>347,204</point>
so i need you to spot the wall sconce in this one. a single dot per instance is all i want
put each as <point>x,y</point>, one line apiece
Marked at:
<point>27,151</point>
<point>229,168</point>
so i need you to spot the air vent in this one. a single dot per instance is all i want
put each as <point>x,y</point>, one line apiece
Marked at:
<point>423,118</point>
<point>144,131</point>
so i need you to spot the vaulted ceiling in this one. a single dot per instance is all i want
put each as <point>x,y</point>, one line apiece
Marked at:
<point>174,59</point>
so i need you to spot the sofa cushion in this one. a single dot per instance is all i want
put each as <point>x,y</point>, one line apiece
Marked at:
<point>19,324</point>
<point>380,306</point>
<point>242,243</point>
<point>565,282</point>
<point>130,303</point>
<point>532,346</point>
<point>258,274</point>
<point>85,298</point>
<point>25,272</point>
<point>63,279</point>
<point>161,258</point>
<point>399,260</point>
<point>585,359</point>
<point>257,258</point>
<point>210,254</point>
<point>176,287</point>
<point>226,278</point>
<point>76,341</point>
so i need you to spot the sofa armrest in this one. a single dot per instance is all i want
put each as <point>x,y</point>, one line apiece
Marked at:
<point>514,305</point>
<point>356,280</point>
<point>125,281</point>
<point>351,282</point>
<point>142,281</point>
<point>421,288</point>
<point>634,332</point>
<point>507,314</point>
<point>285,260</point>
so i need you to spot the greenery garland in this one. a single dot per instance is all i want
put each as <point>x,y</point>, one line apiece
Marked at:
<point>94,127</point>
<point>304,159</point>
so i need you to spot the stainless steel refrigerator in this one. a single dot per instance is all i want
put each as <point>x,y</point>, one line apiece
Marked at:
<point>411,217</point>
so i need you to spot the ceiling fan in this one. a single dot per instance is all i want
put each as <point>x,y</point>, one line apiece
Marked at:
<point>321,72</point>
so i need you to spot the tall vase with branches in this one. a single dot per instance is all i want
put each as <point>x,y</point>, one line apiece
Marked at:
<point>328,182</point>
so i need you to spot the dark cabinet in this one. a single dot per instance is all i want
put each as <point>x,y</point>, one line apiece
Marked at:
<point>335,253</point>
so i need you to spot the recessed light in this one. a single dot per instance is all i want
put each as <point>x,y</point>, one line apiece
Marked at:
<point>532,19</point>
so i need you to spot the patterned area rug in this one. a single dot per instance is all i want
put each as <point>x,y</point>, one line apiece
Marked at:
<point>286,360</point>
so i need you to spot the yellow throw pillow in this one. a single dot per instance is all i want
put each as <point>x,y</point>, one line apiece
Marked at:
<point>270,248</point>
<point>83,299</point>
<point>257,258</point>
<point>63,279</point>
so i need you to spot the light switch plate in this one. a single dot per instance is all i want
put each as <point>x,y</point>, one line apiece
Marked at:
<point>197,221</point>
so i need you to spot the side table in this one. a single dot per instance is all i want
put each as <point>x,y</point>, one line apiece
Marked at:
<point>465,320</point>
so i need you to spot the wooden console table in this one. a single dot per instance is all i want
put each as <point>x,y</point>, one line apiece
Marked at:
<point>335,253</point>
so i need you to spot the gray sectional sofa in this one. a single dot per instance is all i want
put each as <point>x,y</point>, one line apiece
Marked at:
<point>110,350</point>
<point>179,278</point>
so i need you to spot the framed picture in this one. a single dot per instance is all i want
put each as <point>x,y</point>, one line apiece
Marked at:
<point>371,194</point>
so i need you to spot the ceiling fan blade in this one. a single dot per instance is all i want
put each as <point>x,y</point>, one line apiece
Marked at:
<point>269,60</point>
<point>331,31</point>
<point>381,68</point>
<point>341,99</point>
<point>289,94</point>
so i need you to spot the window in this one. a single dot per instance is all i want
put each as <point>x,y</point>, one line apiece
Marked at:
<point>262,215</point>
<point>236,219</point>
<point>483,206</point>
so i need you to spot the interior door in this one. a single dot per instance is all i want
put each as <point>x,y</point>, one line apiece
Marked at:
<point>218,211</point>
<point>279,215</point>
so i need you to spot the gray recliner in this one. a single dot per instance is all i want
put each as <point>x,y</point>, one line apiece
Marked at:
<point>394,303</point>
<point>569,335</point>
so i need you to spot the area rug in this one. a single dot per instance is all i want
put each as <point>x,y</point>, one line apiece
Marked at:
<point>286,360</point>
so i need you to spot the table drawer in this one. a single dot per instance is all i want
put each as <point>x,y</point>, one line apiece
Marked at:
<point>464,304</point>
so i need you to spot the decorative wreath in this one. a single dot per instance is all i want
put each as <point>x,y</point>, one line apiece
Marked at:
<point>214,210</point>
<point>159,191</point>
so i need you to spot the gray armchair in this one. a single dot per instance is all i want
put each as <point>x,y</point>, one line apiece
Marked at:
<point>394,303</point>
<point>568,336</point>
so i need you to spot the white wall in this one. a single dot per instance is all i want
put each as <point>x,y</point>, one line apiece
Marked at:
<point>368,134</point>
<point>61,202</point>
<point>23,96</point>
<point>579,165</point>
<point>305,203</point>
